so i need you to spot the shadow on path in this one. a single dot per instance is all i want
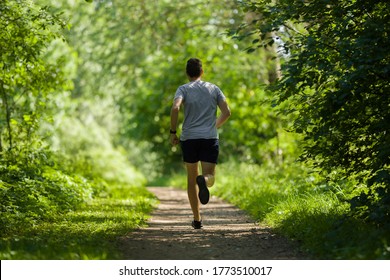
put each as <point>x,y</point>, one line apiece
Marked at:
<point>228,233</point>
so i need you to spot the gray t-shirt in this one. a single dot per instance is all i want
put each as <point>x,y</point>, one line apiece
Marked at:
<point>200,100</point>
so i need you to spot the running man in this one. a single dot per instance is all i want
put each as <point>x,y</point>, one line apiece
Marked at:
<point>199,137</point>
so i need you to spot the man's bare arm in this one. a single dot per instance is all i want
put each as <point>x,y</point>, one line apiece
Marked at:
<point>174,119</point>
<point>225,113</point>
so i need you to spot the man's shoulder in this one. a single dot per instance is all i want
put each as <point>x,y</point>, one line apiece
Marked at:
<point>192,85</point>
<point>183,86</point>
<point>210,85</point>
<point>213,88</point>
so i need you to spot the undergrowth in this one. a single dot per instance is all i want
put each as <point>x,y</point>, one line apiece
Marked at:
<point>304,206</point>
<point>89,232</point>
<point>54,207</point>
<point>300,204</point>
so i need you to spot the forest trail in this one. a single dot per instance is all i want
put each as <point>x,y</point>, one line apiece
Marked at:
<point>227,233</point>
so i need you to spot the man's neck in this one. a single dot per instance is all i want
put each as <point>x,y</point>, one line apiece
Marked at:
<point>193,79</point>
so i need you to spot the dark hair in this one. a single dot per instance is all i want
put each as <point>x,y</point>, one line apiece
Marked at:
<point>194,67</point>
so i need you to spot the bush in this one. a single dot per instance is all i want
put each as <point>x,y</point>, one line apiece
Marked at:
<point>31,189</point>
<point>312,210</point>
<point>258,189</point>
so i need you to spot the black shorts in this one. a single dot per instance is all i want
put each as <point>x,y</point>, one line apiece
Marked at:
<point>195,150</point>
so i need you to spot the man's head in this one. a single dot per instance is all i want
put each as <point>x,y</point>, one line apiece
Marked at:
<point>194,68</point>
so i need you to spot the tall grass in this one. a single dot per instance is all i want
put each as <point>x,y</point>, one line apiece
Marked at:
<point>90,232</point>
<point>299,204</point>
<point>69,206</point>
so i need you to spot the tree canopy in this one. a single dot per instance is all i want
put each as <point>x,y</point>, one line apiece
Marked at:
<point>335,85</point>
<point>86,89</point>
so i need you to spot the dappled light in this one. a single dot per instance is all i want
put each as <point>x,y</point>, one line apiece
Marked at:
<point>86,90</point>
<point>228,233</point>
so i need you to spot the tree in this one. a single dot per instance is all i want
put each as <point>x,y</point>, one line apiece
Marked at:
<point>26,79</point>
<point>32,187</point>
<point>130,58</point>
<point>335,86</point>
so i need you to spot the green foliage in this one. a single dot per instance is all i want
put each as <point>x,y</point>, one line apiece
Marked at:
<point>300,204</point>
<point>373,206</point>
<point>258,189</point>
<point>129,61</point>
<point>85,101</point>
<point>32,190</point>
<point>90,232</point>
<point>335,80</point>
<point>87,149</point>
<point>54,160</point>
<point>26,79</point>
<point>320,222</point>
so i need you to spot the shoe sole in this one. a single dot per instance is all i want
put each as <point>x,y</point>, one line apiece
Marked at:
<point>197,225</point>
<point>204,194</point>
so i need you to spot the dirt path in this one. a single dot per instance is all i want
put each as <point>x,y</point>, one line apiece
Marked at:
<point>228,233</point>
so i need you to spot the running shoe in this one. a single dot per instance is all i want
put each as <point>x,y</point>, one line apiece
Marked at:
<point>197,224</point>
<point>204,194</point>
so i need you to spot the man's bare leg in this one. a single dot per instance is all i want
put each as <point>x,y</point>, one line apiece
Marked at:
<point>208,172</point>
<point>192,189</point>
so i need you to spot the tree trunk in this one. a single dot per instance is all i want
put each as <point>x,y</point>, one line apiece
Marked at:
<point>7,115</point>
<point>1,142</point>
<point>272,61</point>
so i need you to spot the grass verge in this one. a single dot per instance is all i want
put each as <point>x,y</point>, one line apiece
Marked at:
<point>299,204</point>
<point>90,232</point>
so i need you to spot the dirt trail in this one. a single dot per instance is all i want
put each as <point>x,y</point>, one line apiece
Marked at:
<point>227,233</point>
